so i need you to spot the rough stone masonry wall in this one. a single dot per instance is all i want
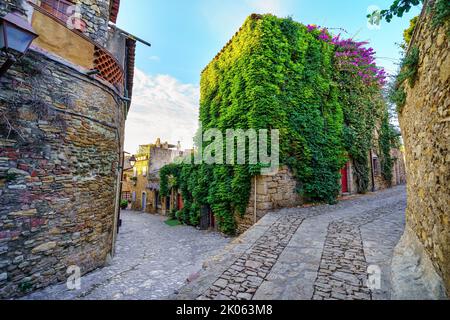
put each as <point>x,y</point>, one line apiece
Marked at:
<point>425,122</point>
<point>96,15</point>
<point>272,192</point>
<point>58,173</point>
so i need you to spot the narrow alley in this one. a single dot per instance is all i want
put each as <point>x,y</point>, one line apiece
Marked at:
<point>320,252</point>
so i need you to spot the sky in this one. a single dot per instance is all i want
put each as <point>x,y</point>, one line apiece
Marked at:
<point>187,34</point>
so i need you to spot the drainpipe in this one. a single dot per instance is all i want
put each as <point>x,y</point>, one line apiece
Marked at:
<point>372,169</point>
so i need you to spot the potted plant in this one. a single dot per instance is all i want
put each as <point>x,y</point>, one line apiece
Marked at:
<point>124,204</point>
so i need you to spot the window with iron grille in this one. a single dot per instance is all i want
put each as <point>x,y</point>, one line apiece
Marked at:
<point>126,196</point>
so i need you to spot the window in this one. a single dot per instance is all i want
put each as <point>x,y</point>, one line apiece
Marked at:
<point>144,171</point>
<point>133,196</point>
<point>64,10</point>
<point>126,196</point>
<point>59,8</point>
<point>135,172</point>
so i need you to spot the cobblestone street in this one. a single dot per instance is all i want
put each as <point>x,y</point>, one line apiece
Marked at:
<point>320,253</point>
<point>152,261</point>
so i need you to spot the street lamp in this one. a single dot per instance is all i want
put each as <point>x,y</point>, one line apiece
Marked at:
<point>16,36</point>
<point>132,161</point>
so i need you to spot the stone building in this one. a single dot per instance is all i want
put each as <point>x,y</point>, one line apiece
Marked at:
<point>62,113</point>
<point>425,122</point>
<point>143,179</point>
<point>280,191</point>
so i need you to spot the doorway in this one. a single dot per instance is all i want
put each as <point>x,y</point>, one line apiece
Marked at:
<point>144,201</point>
<point>344,174</point>
<point>157,202</point>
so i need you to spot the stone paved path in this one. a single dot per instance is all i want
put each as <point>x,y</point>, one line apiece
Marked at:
<point>323,252</point>
<point>152,261</point>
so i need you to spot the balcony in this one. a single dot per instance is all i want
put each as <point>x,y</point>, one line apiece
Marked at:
<point>50,20</point>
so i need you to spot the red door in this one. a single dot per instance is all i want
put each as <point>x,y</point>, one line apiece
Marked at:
<point>344,173</point>
<point>180,202</point>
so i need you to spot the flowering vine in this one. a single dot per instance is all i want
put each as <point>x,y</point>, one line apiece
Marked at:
<point>353,57</point>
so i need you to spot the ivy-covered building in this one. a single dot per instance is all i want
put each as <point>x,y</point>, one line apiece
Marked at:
<point>141,183</point>
<point>324,95</point>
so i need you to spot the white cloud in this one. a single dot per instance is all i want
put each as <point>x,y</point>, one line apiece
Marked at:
<point>162,107</point>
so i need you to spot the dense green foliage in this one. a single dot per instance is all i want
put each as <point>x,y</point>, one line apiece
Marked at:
<point>398,8</point>
<point>439,9</point>
<point>409,70</point>
<point>441,14</point>
<point>280,74</point>
<point>362,104</point>
<point>123,204</point>
<point>410,67</point>
<point>408,33</point>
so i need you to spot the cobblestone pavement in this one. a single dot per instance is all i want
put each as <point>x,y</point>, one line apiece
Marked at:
<point>152,261</point>
<point>245,275</point>
<point>322,252</point>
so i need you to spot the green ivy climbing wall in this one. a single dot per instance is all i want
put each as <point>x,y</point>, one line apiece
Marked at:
<point>279,74</point>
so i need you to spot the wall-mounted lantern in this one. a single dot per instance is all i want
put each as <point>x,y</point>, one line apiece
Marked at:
<point>16,36</point>
<point>132,161</point>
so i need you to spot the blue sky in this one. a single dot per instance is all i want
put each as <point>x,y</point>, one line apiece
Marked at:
<point>186,35</point>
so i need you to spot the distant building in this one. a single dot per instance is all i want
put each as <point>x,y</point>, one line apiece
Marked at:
<point>141,184</point>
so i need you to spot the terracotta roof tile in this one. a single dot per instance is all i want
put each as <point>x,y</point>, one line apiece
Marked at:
<point>114,11</point>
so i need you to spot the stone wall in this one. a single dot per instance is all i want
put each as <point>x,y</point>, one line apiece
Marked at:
<point>61,136</point>
<point>425,122</point>
<point>272,192</point>
<point>96,15</point>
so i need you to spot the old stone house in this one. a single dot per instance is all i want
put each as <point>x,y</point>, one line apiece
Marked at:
<point>142,182</point>
<point>62,108</point>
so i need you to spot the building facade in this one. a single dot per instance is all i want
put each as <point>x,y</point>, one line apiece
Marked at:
<point>142,182</point>
<point>63,108</point>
